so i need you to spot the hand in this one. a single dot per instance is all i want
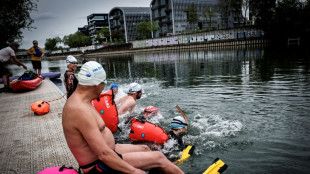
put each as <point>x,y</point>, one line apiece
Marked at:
<point>24,66</point>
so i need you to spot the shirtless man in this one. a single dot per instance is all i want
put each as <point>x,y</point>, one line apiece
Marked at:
<point>93,144</point>
<point>128,102</point>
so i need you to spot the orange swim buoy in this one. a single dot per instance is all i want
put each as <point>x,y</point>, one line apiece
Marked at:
<point>40,107</point>
<point>146,131</point>
<point>106,107</point>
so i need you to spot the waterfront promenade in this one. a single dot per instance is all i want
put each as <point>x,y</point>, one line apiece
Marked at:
<point>30,143</point>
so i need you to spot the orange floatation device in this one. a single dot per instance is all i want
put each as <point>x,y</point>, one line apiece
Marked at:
<point>146,131</point>
<point>40,107</point>
<point>106,107</point>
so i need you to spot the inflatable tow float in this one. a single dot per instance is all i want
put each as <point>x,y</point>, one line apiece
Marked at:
<point>146,131</point>
<point>106,107</point>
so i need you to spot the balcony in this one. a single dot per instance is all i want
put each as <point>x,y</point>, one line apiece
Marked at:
<point>157,7</point>
<point>160,17</point>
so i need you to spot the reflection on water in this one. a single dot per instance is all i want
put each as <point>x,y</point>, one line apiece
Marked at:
<point>249,107</point>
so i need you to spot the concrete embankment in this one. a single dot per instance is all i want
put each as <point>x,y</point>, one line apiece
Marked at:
<point>211,45</point>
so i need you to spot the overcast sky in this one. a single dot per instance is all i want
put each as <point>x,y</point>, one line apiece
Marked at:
<point>63,17</point>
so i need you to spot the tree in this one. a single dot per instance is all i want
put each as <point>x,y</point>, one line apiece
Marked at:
<point>15,16</point>
<point>142,29</point>
<point>50,43</point>
<point>208,13</point>
<point>152,26</point>
<point>145,29</point>
<point>228,7</point>
<point>77,39</point>
<point>103,33</point>
<point>192,15</point>
<point>118,35</point>
<point>264,12</point>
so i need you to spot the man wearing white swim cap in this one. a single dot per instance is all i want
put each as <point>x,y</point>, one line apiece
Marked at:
<point>69,80</point>
<point>128,103</point>
<point>92,143</point>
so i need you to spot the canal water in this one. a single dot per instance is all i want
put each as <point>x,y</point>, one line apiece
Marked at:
<point>249,107</point>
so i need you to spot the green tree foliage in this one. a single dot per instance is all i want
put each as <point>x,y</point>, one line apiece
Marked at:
<point>208,13</point>
<point>142,29</point>
<point>77,39</point>
<point>103,35</point>
<point>145,29</point>
<point>228,6</point>
<point>118,36</point>
<point>50,43</point>
<point>152,26</point>
<point>192,15</point>
<point>282,19</point>
<point>264,13</point>
<point>15,16</point>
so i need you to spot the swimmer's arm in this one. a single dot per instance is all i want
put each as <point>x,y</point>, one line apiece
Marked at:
<point>89,130</point>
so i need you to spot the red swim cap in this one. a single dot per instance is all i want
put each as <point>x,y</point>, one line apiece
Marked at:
<point>150,110</point>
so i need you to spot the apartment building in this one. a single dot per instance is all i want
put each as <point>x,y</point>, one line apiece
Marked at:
<point>96,22</point>
<point>124,20</point>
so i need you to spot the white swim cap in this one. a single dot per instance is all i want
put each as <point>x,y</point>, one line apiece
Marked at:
<point>70,59</point>
<point>92,74</point>
<point>178,122</point>
<point>134,87</point>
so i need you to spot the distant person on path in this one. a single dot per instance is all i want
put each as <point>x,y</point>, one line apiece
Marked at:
<point>128,103</point>
<point>7,55</point>
<point>92,143</point>
<point>70,81</point>
<point>36,56</point>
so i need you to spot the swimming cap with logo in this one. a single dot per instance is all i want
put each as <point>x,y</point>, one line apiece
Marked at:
<point>134,87</point>
<point>92,74</point>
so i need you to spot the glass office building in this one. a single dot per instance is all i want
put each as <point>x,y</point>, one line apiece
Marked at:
<point>171,16</point>
<point>124,20</point>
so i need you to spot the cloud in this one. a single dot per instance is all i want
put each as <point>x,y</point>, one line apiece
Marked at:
<point>45,16</point>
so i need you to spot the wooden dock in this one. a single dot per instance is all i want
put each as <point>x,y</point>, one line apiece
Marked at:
<point>31,143</point>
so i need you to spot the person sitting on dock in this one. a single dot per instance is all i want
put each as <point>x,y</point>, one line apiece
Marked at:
<point>70,81</point>
<point>92,143</point>
<point>7,55</point>
<point>127,104</point>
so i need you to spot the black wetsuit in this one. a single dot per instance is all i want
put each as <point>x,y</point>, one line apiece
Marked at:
<point>101,168</point>
<point>175,137</point>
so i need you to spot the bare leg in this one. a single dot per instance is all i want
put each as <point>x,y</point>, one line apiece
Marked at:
<point>149,160</point>
<point>39,71</point>
<point>126,148</point>
<point>6,80</point>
